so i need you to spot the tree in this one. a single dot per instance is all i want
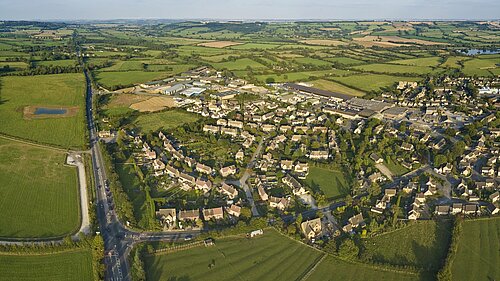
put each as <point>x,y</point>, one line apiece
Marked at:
<point>348,249</point>
<point>439,160</point>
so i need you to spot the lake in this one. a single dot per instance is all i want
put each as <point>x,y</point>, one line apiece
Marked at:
<point>52,111</point>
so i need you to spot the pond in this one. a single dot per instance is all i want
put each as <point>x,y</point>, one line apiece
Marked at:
<point>473,52</point>
<point>43,110</point>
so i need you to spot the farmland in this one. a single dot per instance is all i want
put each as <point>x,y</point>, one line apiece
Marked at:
<point>422,244</point>
<point>64,266</point>
<point>332,183</point>
<point>478,254</point>
<point>44,90</point>
<point>371,82</point>
<point>269,257</point>
<point>336,87</point>
<point>45,185</point>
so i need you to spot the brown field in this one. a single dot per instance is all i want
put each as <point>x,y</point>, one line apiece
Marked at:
<point>29,112</point>
<point>391,41</point>
<point>372,22</point>
<point>125,100</point>
<point>330,28</point>
<point>219,44</point>
<point>323,42</point>
<point>288,55</point>
<point>153,104</point>
<point>402,26</point>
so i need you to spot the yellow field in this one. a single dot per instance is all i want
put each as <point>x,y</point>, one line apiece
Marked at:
<point>219,44</point>
<point>153,104</point>
<point>323,42</point>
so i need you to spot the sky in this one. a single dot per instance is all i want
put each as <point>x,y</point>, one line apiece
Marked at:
<point>248,9</point>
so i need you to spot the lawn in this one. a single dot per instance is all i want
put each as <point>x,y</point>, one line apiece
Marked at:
<point>332,269</point>
<point>422,244</point>
<point>164,119</point>
<point>331,182</point>
<point>65,266</point>
<point>478,254</point>
<point>396,168</point>
<point>336,87</point>
<point>371,82</point>
<point>268,257</point>
<point>17,92</point>
<point>39,194</point>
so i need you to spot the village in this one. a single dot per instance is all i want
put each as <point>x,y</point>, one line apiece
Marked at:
<point>271,136</point>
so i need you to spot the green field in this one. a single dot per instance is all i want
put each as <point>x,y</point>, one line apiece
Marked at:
<point>165,119</point>
<point>301,76</point>
<point>395,68</point>
<point>65,266</point>
<point>239,64</point>
<point>17,92</point>
<point>422,244</point>
<point>396,168</point>
<point>371,82</point>
<point>430,61</point>
<point>269,257</point>
<point>332,183</point>
<point>480,67</point>
<point>39,194</point>
<point>478,254</point>
<point>332,269</point>
<point>336,87</point>
<point>57,62</point>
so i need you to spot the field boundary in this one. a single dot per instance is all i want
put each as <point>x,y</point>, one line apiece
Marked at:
<point>33,143</point>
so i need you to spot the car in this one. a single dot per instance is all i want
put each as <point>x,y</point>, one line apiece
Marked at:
<point>188,237</point>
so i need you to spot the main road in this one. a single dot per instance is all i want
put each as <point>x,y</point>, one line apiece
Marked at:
<point>118,240</point>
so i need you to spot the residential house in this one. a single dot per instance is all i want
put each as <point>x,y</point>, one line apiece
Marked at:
<point>262,193</point>
<point>205,186</point>
<point>277,202</point>
<point>319,154</point>
<point>311,228</point>
<point>167,216</point>
<point>286,165</point>
<point>213,213</point>
<point>227,171</point>
<point>442,210</point>
<point>376,158</point>
<point>228,190</point>
<point>203,169</point>
<point>191,215</point>
<point>234,210</point>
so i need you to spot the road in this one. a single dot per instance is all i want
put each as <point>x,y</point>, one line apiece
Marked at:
<point>118,240</point>
<point>75,159</point>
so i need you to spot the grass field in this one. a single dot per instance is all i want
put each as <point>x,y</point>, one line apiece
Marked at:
<point>395,68</point>
<point>65,266</point>
<point>165,119</point>
<point>332,269</point>
<point>369,82</point>
<point>430,61</point>
<point>238,64</point>
<point>115,78</point>
<point>300,76</point>
<point>479,67</point>
<point>396,168</point>
<point>478,254</point>
<point>423,244</point>
<point>332,183</point>
<point>17,92</point>
<point>39,194</point>
<point>269,257</point>
<point>336,87</point>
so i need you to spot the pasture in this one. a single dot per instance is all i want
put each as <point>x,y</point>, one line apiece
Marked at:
<point>268,257</point>
<point>39,193</point>
<point>164,119</point>
<point>395,68</point>
<point>478,254</point>
<point>423,244</point>
<point>371,82</point>
<point>239,64</point>
<point>331,182</point>
<point>73,265</point>
<point>116,78</point>
<point>336,87</point>
<point>65,90</point>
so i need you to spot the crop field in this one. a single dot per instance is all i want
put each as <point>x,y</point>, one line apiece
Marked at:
<point>39,194</point>
<point>431,61</point>
<point>480,67</point>
<point>64,266</point>
<point>57,62</point>
<point>219,44</point>
<point>336,87</point>
<point>268,257</point>
<point>478,254</point>
<point>117,78</point>
<point>323,42</point>
<point>453,62</point>
<point>64,90</point>
<point>298,76</point>
<point>164,119</point>
<point>423,244</point>
<point>312,61</point>
<point>370,82</point>
<point>333,269</point>
<point>332,183</point>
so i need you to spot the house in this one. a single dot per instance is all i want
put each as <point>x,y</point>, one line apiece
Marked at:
<point>357,220</point>
<point>407,146</point>
<point>167,216</point>
<point>227,171</point>
<point>213,213</point>
<point>495,197</point>
<point>456,208</point>
<point>205,186</point>
<point>493,208</point>
<point>311,228</point>
<point>442,210</point>
<point>240,155</point>
<point>469,209</point>
<point>415,213</point>
<point>301,168</point>
<point>171,171</point>
<point>150,154</point>
<point>211,129</point>
<point>319,154</point>
<point>262,193</point>
<point>187,179</point>
<point>390,192</point>
<point>234,210</point>
<point>191,215</point>
<point>294,184</point>
<point>228,190</point>
<point>203,169</point>
<point>286,165</point>
<point>376,158</point>
<point>419,199</point>
<point>158,165</point>
<point>235,124</point>
<point>277,202</point>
